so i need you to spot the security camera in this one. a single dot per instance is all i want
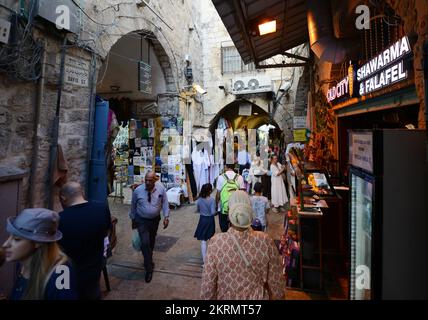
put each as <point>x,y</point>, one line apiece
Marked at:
<point>199,89</point>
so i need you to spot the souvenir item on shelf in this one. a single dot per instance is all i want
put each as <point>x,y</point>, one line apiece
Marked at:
<point>164,177</point>
<point>145,133</point>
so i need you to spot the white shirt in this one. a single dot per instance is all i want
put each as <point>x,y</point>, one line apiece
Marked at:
<point>243,157</point>
<point>230,174</point>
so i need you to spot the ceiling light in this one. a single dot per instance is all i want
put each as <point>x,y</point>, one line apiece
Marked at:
<point>267,27</point>
<point>256,113</point>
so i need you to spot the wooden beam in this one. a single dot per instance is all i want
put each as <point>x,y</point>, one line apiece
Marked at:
<point>281,65</point>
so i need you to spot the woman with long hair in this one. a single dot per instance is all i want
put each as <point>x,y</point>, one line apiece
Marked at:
<point>206,226</point>
<point>44,272</point>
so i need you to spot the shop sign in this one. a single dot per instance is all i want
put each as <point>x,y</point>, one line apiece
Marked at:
<point>361,151</point>
<point>245,110</point>
<point>144,77</point>
<point>76,71</point>
<point>344,88</point>
<point>385,69</point>
<point>300,135</point>
<point>299,122</point>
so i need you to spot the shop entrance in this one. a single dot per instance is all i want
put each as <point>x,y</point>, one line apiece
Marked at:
<point>130,84</point>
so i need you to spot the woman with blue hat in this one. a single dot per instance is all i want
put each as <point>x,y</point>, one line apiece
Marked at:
<point>45,273</point>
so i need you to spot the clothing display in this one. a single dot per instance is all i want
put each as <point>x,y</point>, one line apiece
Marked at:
<point>201,163</point>
<point>278,193</point>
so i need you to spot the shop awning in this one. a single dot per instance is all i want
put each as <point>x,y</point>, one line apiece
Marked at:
<point>241,17</point>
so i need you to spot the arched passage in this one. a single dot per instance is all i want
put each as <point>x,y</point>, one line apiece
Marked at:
<point>137,101</point>
<point>230,112</point>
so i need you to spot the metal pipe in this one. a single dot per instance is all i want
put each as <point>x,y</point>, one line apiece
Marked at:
<point>55,129</point>
<point>36,138</point>
<point>93,84</point>
<point>321,35</point>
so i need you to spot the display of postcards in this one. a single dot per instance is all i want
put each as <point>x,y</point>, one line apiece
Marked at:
<point>132,134</point>
<point>136,170</point>
<point>144,152</point>
<point>138,179</point>
<point>176,149</point>
<point>151,123</point>
<point>131,179</point>
<point>150,152</point>
<point>171,168</point>
<point>173,122</point>
<point>174,159</point>
<point>139,124</point>
<point>138,142</point>
<point>151,142</point>
<point>137,152</point>
<point>178,168</point>
<point>177,179</point>
<point>132,125</point>
<point>137,161</point>
<point>130,171</point>
<point>164,177</point>
<point>144,142</point>
<point>149,162</point>
<point>158,161</point>
<point>144,123</point>
<point>145,133</point>
<point>151,132</point>
<point>165,122</point>
<point>171,178</point>
<point>164,136</point>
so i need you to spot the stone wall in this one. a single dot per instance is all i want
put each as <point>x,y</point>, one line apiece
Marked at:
<point>414,13</point>
<point>214,35</point>
<point>18,98</point>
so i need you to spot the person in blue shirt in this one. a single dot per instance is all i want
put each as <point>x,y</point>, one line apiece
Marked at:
<point>44,272</point>
<point>206,225</point>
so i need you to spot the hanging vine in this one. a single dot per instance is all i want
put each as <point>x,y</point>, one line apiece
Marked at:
<point>319,149</point>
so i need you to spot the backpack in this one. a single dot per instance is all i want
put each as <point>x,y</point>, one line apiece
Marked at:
<point>230,186</point>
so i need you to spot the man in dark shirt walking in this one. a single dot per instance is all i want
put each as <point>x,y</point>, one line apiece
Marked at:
<point>147,202</point>
<point>84,226</point>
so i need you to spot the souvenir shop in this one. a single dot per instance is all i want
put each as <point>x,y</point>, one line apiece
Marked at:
<point>142,120</point>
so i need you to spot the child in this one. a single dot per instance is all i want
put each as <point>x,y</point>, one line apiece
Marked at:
<point>260,204</point>
<point>206,226</point>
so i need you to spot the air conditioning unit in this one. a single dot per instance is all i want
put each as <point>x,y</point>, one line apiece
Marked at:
<point>249,85</point>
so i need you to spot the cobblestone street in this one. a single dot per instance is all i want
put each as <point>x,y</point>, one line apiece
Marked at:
<point>177,257</point>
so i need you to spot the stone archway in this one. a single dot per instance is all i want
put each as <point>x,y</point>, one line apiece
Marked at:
<point>231,113</point>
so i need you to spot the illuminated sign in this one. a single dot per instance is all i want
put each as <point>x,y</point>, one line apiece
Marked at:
<point>385,69</point>
<point>344,87</point>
